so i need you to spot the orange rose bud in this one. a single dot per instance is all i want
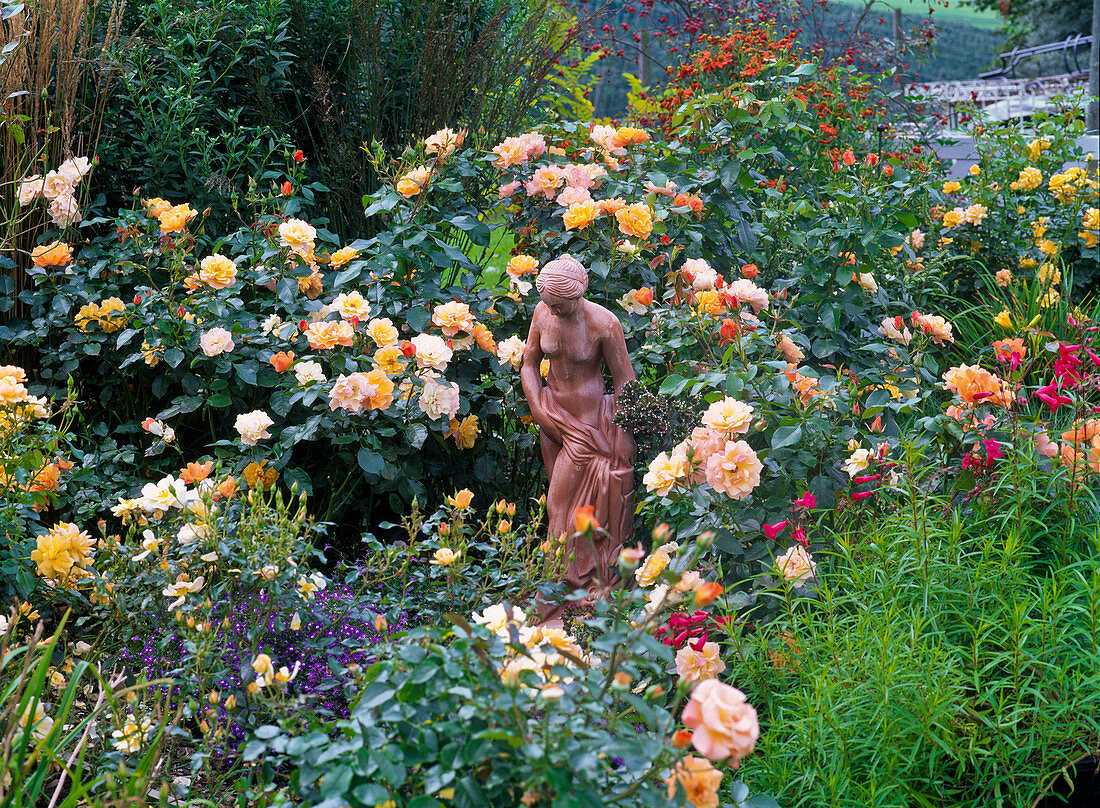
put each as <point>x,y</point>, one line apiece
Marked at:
<point>380,623</point>
<point>584,519</point>
<point>227,488</point>
<point>408,350</point>
<point>643,296</point>
<point>707,592</point>
<point>281,361</point>
<point>749,271</point>
<point>681,738</point>
<point>287,188</point>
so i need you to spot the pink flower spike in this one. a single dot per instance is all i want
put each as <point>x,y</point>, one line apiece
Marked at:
<point>799,535</point>
<point>773,531</point>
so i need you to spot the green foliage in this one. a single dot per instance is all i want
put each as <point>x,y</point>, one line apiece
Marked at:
<point>57,755</point>
<point>944,660</point>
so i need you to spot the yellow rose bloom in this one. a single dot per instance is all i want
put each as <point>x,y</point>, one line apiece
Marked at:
<point>1090,219</point>
<point>1035,149</point>
<point>88,314</point>
<point>414,182</point>
<point>174,218</point>
<point>951,187</point>
<point>342,256</point>
<point>975,171</point>
<point>381,330</point>
<point>217,271</point>
<point>460,499</point>
<point>464,432</point>
<point>390,360</point>
<point>110,311</point>
<point>580,215</point>
<point>635,220</point>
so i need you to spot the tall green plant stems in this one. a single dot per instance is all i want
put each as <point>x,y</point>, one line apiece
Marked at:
<point>946,660</point>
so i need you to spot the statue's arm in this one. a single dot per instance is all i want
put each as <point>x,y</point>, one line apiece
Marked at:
<point>616,356</point>
<point>529,374</point>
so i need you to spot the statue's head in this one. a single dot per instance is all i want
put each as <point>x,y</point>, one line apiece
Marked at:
<point>562,284</point>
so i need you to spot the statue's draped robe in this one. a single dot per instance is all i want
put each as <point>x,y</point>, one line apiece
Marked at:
<point>586,472</point>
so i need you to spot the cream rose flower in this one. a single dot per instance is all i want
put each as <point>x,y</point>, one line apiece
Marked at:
<point>64,211</point>
<point>510,352</point>
<point>57,185</point>
<point>252,426</point>
<point>297,234</point>
<point>696,666</point>
<point>796,565</point>
<point>30,189</point>
<point>723,724</point>
<point>431,352</point>
<point>309,371</point>
<point>439,400</point>
<point>216,341</point>
<point>444,557</point>
<point>498,620</point>
<point>666,472</point>
<point>703,276</point>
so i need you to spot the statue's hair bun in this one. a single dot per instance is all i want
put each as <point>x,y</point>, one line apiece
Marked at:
<point>565,277</point>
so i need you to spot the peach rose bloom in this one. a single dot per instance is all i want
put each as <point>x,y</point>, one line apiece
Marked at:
<point>936,327</point>
<point>444,142</point>
<point>612,206</point>
<point>734,470</point>
<point>522,265</point>
<point>745,291</point>
<point>216,341</point>
<point>580,215</point>
<point>699,779</point>
<point>665,471</point>
<point>342,256</point>
<point>439,400</point>
<point>452,317</point>
<point>352,304</point>
<point>790,350</point>
<point>635,220</point>
<point>631,134</point>
<point>217,271</point>
<point>29,189</point>
<point>696,666</point>
<point>606,138</point>
<point>325,335</point>
<point>512,151</point>
<point>381,330</point>
<point>975,385</point>
<point>723,724</point>
<point>703,442</point>
<point>349,392</point>
<point>174,218</point>
<point>155,207</point>
<point>796,565</point>
<point>894,328</point>
<point>545,182</point>
<point>414,182</point>
<point>484,338</point>
<point>573,196</point>
<point>728,416</point>
<point>55,254</point>
<point>380,395</point>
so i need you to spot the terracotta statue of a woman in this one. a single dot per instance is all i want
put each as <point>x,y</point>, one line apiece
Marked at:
<point>589,458</point>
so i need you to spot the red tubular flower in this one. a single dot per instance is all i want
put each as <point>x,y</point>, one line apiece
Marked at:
<point>773,531</point>
<point>807,501</point>
<point>858,495</point>
<point>1052,397</point>
<point>867,478</point>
